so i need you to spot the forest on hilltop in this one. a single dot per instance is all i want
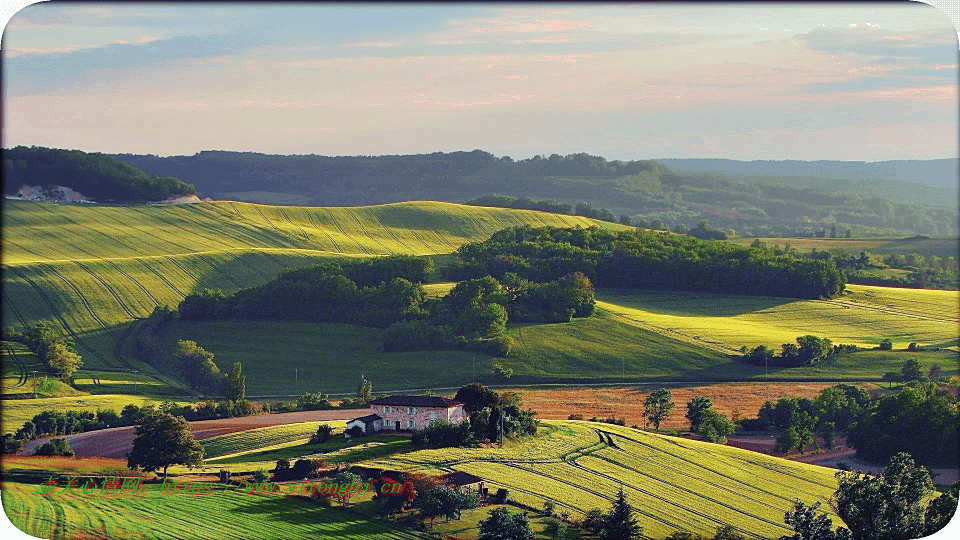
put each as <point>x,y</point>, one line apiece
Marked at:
<point>644,189</point>
<point>96,176</point>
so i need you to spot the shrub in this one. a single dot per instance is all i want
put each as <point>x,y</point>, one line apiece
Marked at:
<point>886,344</point>
<point>54,447</point>
<point>322,435</point>
<point>260,476</point>
<point>502,496</point>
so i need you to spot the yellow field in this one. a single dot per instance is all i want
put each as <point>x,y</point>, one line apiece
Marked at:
<point>673,483</point>
<point>725,322</point>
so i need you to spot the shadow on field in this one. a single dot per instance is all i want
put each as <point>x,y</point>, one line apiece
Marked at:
<point>690,304</point>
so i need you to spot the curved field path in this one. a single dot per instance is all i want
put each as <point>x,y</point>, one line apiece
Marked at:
<point>116,442</point>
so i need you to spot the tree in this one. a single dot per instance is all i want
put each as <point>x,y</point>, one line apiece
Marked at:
<point>62,360</point>
<point>54,447</point>
<point>364,390</point>
<point>658,405</point>
<point>236,384</point>
<point>446,501</point>
<point>787,441</point>
<point>502,524</point>
<point>322,435</point>
<point>911,370</point>
<point>941,510</point>
<point>886,344</point>
<point>891,377</point>
<point>163,440</point>
<point>619,523</point>
<point>715,427</point>
<point>349,484</point>
<point>889,505</point>
<point>475,397</point>
<point>695,410</point>
<point>197,367</point>
<point>808,525</point>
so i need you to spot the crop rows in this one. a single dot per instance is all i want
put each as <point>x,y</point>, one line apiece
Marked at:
<point>253,439</point>
<point>674,483</point>
<point>156,515</point>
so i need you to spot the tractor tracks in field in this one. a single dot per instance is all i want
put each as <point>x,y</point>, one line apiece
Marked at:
<point>56,314</point>
<point>133,280</point>
<point>83,299</point>
<point>123,306</point>
<point>20,366</point>
<point>162,278</point>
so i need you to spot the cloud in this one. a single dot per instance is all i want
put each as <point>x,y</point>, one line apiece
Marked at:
<point>936,45</point>
<point>371,44</point>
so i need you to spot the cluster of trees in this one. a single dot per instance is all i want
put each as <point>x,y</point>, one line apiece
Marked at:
<point>199,370</point>
<point>897,503</point>
<point>97,176</point>
<point>808,351</point>
<point>59,355</point>
<point>645,259</point>
<point>833,411</point>
<point>710,424</point>
<point>54,447</point>
<point>475,312</point>
<point>376,292</point>
<point>491,416</point>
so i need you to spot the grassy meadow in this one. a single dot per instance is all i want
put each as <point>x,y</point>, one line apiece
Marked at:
<point>155,515</point>
<point>863,317</point>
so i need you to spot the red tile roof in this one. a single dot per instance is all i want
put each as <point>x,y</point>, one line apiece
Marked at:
<point>417,401</point>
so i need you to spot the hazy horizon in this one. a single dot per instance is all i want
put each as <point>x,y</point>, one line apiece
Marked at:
<point>868,82</point>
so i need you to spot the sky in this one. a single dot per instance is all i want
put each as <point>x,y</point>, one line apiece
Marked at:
<point>865,82</point>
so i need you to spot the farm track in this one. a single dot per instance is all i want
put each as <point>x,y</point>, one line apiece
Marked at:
<point>134,281</point>
<point>123,305</point>
<point>79,294</point>
<point>306,237</point>
<point>21,368</point>
<point>183,269</point>
<point>623,465</point>
<point>7,302</point>
<point>891,310</point>
<point>333,219</point>
<point>317,226</point>
<point>56,314</point>
<point>165,280</point>
<point>370,236</point>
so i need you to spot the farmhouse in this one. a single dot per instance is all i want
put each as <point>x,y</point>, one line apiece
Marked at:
<point>406,413</point>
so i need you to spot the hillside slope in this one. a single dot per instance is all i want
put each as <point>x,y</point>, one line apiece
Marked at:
<point>93,271</point>
<point>673,483</point>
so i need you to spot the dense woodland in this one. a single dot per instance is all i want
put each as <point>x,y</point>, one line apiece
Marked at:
<point>97,176</point>
<point>761,205</point>
<point>647,260</point>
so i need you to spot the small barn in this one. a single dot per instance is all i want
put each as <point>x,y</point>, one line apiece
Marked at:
<point>364,425</point>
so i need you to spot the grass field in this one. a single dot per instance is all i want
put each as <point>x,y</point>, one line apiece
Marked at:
<point>674,483</point>
<point>155,515</point>
<point>863,317</point>
<point>941,247</point>
<point>91,271</point>
<point>17,411</point>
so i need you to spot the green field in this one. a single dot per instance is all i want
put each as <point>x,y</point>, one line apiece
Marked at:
<point>17,411</point>
<point>265,438</point>
<point>726,322</point>
<point>155,515</point>
<point>91,272</point>
<point>941,247</point>
<point>673,483</point>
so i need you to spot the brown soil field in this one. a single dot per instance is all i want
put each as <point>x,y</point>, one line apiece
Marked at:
<point>116,442</point>
<point>627,402</point>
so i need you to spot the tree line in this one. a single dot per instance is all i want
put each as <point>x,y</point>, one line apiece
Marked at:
<point>809,350</point>
<point>388,292</point>
<point>645,259</point>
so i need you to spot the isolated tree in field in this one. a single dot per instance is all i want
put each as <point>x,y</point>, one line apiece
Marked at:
<point>620,523</point>
<point>236,384</point>
<point>350,485</point>
<point>885,506</point>
<point>62,360</point>
<point>695,409</point>
<point>365,390</point>
<point>445,501</point>
<point>657,406</point>
<point>808,525</point>
<point>912,370</point>
<point>163,440</point>
<point>886,344</point>
<point>503,524</point>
